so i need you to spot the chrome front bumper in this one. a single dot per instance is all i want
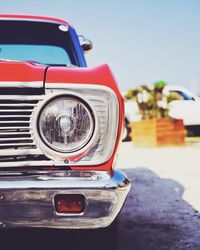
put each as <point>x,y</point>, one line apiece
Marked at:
<point>27,199</point>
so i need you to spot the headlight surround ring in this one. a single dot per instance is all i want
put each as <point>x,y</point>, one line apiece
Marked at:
<point>69,123</point>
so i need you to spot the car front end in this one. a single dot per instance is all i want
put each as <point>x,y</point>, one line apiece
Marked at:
<point>60,128</point>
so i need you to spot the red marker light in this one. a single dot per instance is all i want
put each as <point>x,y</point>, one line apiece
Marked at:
<point>69,203</point>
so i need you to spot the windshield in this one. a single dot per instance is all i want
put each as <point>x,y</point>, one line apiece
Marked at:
<point>46,43</point>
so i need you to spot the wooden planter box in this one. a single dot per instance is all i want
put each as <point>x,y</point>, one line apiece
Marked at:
<point>158,132</point>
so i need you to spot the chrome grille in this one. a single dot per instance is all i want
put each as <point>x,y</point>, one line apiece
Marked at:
<point>15,118</point>
<point>17,146</point>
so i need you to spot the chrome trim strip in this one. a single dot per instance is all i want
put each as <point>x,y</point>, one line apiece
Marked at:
<point>16,144</point>
<point>16,84</point>
<point>15,133</point>
<point>15,110</point>
<point>22,97</point>
<point>5,128</point>
<point>14,121</point>
<point>26,164</point>
<point>15,139</point>
<point>13,116</point>
<point>33,195</point>
<point>75,86</point>
<point>18,105</point>
<point>20,152</point>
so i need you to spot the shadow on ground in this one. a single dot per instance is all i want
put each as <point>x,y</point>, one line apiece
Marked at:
<point>155,215</point>
<point>51,239</point>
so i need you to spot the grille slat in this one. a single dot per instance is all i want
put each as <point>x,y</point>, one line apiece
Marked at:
<point>10,127</point>
<point>17,104</point>
<point>14,139</point>
<point>14,122</point>
<point>15,144</point>
<point>14,110</point>
<point>15,116</point>
<point>21,99</point>
<point>11,133</point>
<point>19,152</point>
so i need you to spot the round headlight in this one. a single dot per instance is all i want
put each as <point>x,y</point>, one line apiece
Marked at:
<point>66,124</point>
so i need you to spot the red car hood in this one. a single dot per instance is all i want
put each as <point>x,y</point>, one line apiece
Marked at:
<point>14,71</point>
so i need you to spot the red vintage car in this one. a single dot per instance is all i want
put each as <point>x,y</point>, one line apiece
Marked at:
<point>60,127</point>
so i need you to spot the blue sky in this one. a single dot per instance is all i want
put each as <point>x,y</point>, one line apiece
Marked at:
<point>142,40</point>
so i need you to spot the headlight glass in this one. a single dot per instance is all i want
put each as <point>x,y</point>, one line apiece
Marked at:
<point>66,124</point>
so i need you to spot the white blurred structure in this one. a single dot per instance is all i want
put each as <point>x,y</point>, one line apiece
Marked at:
<point>188,108</point>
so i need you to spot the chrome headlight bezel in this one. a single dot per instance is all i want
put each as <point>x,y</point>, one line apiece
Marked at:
<point>90,113</point>
<point>104,104</point>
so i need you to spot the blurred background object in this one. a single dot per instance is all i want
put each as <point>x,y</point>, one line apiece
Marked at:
<point>162,101</point>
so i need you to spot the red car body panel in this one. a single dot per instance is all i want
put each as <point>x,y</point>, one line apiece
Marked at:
<point>19,71</point>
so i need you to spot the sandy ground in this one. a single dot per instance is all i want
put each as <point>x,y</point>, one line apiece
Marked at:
<point>163,207</point>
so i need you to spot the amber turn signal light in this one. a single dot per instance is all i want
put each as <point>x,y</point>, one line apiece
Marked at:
<point>69,203</point>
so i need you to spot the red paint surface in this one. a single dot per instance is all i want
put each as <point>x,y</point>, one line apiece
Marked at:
<point>19,71</point>
<point>42,18</point>
<point>95,76</point>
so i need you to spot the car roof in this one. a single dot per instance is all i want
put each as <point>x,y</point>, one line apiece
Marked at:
<point>33,18</point>
<point>178,88</point>
<point>182,89</point>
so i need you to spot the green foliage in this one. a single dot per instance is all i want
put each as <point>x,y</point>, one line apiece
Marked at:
<point>160,84</point>
<point>173,97</point>
<point>152,102</point>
